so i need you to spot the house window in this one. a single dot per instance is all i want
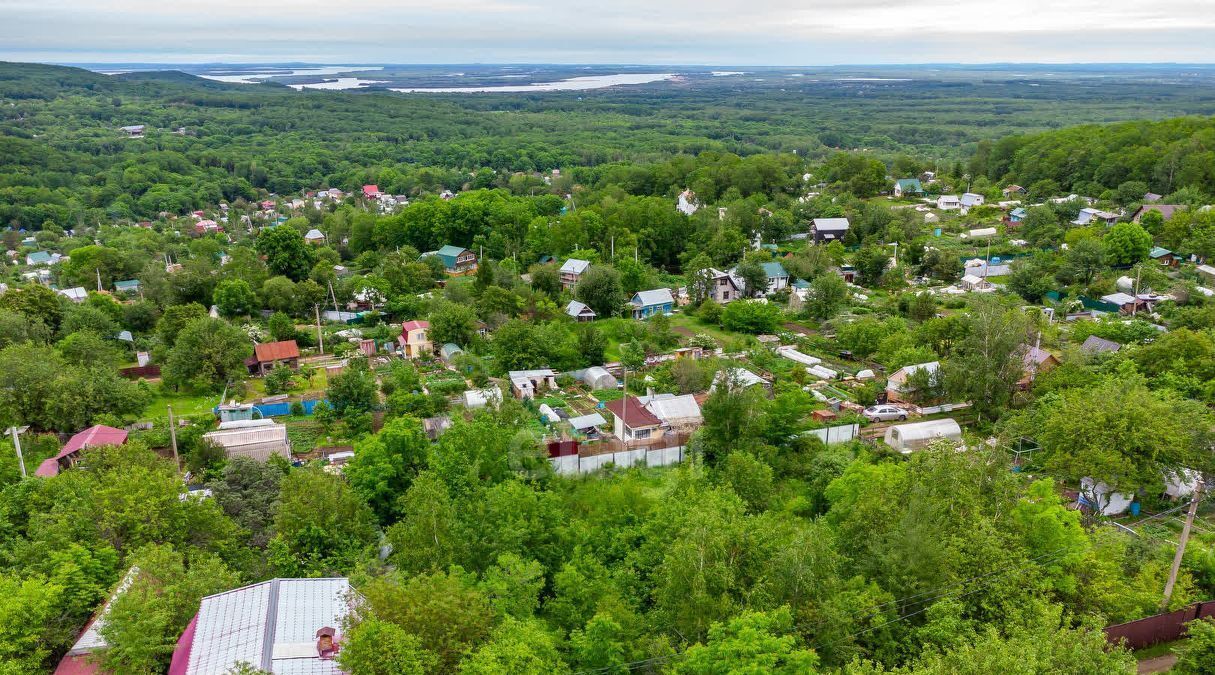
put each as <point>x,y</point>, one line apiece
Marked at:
<point>641,434</point>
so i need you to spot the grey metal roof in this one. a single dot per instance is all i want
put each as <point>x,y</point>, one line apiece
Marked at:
<point>575,266</point>
<point>658,296</point>
<point>832,224</point>
<point>271,625</point>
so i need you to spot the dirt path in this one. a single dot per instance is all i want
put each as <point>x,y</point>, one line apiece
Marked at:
<point>1157,664</point>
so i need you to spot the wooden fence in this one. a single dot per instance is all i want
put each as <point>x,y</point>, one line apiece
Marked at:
<point>1153,630</point>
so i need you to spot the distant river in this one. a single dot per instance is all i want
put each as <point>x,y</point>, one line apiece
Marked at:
<point>571,84</point>
<point>265,74</point>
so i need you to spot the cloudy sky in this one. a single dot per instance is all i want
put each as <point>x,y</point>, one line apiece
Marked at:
<point>725,32</point>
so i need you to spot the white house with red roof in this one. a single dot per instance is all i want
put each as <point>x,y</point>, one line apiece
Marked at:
<point>371,191</point>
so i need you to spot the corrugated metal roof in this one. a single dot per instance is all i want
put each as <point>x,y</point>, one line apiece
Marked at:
<point>575,266</point>
<point>630,410</point>
<point>658,296</point>
<point>831,224</point>
<point>276,351</point>
<point>270,625</point>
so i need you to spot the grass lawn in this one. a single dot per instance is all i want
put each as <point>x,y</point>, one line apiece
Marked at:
<point>184,404</point>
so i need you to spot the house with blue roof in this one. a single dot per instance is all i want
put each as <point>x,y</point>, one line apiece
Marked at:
<point>648,303</point>
<point>457,261</point>
<point>1016,216</point>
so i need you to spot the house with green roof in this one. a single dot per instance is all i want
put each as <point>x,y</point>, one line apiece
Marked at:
<point>778,278</point>
<point>1164,256</point>
<point>908,186</point>
<point>457,261</point>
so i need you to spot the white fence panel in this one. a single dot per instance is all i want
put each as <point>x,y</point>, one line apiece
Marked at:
<point>665,456</point>
<point>628,458</point>
<point>566,466</point>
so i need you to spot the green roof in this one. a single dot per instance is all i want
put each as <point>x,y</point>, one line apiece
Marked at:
<point>909,184</point>
<point>128,285</point>
<point>1159,252</point>
<point>448,254</point>
<point>774,269</point>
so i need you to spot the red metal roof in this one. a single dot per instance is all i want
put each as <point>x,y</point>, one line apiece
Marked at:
<point>370,190</point>
<point>79,664</point>
<point>276,351</point>
<point>632,413</point>
<point>414,325</point>
<point>92,437</point>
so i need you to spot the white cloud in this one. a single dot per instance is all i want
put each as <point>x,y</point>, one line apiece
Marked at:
<point>778,32</point>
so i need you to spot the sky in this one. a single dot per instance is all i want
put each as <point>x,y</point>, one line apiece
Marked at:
<point>709,32</point>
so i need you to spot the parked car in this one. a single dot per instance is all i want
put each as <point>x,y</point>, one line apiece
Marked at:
<point>884,413</point>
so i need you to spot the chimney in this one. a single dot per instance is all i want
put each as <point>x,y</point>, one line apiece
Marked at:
<point>326,643</point>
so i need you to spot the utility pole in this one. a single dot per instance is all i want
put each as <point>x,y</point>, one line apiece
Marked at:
<point>1185,536</point>
<point>173,439</point>
<point>16,432</point>
<point>320,338</point>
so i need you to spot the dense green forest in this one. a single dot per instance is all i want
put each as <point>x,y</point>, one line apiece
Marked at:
<point>63,159</point>
<point>765,550</point>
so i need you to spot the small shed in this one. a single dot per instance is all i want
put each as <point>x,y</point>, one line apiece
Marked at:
<point>907,438</point>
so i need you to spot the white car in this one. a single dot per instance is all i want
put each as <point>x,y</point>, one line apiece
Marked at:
<point>885,413</point>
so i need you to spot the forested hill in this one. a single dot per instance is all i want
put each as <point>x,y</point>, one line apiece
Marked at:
<point>64,159</point>
<point>1167,156</point>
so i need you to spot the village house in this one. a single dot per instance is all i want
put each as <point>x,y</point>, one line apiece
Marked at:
<point>314,236</point>
<point>415,343</point>
<point>648,303</point>
<point>1013,191</point>
<point>1014,217</point>
<point>723,287</point>
<point>948,202</point>
<point>371,191</point>
<point>257,439</point>
<point>1164,257</point>
<point>270,355</point>
<point>133,131</point>
<point>276,626</point>
<point>633,421</point>
<point>972,284</point>
<point>1165,210</point>
<point>38,258</point>
<point>456,260</point>
<point>580,311</point>
<point>897,388</point>
<point>525,383</point>
<point>827,230</point>
<point>778,278</point>
<point>93,437</point>
<point>1035,362</point>
<point>908,186</point>
<point>971,200</point>
<point>1127,303</point>
<point>572,271</point>
<point>1089,215</point>
<point>1151,197</point>
<point>1099,345</point>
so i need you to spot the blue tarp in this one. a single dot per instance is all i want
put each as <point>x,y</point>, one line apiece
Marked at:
<point>263,410</point>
